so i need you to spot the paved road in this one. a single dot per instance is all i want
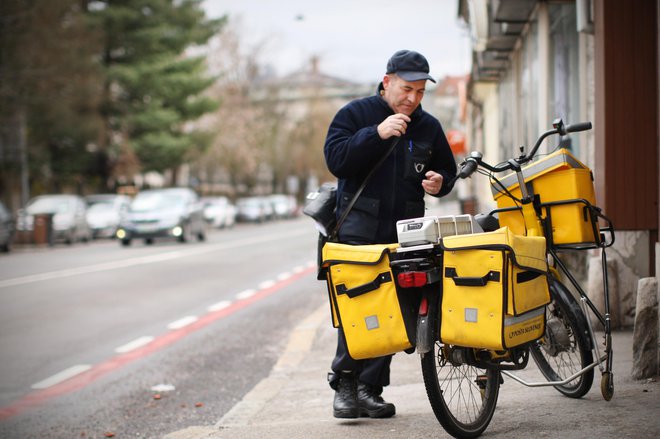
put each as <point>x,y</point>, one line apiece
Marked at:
<point>87,331</point>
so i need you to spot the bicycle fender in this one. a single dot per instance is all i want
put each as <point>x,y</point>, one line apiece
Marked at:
<point>427,327</point>
<point>424,334</point>
<point>559,292</point>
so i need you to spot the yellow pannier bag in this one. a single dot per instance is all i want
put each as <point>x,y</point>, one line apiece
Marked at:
<point>363,299</point>
<point>495,289</point>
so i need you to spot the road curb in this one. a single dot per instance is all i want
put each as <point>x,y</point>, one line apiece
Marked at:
<point>298,347</point>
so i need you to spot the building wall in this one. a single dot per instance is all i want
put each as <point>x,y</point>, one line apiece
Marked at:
<point>485,138</point>
<point>626,137</point>
<point>609,77</point>
<point>626,112</point>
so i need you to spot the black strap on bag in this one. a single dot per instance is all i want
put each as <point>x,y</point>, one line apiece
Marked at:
<point>332,236</point>
<point>381,278</point>
<point>464,281</point>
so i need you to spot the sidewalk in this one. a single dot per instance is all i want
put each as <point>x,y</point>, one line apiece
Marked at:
<point>295,402</point>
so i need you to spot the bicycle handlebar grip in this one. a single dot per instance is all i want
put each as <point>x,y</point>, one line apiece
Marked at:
<point>468,168</point>
<point>580,126</point>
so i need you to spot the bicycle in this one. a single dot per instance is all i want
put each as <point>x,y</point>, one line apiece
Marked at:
<point>463,381</point>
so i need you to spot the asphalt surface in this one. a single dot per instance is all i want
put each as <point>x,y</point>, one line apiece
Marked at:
<point>214,319</point>
<point>294,401</point>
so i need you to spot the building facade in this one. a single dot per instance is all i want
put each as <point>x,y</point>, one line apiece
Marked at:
<point>582,60</point>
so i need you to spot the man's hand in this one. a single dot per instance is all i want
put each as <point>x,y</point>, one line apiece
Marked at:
<point>433,182</point>
<point>395,125</point>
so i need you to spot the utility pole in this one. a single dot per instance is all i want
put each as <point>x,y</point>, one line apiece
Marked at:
<point>22,148</point>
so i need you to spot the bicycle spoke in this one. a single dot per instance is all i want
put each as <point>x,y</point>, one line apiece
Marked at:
<point>460,391</point>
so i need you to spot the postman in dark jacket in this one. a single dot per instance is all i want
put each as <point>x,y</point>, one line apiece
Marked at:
<point>394,192</point>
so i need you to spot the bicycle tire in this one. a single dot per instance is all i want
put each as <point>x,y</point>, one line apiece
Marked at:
<point>463,397</point>
<point>565,347</point>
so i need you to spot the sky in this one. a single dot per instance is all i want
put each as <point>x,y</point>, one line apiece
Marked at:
<point>352,38</point>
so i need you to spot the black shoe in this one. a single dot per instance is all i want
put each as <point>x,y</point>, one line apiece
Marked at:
<point>346,404</point>
<point>371,404</point>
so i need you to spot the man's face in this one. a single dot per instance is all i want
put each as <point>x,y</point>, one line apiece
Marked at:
<point>403,96</point>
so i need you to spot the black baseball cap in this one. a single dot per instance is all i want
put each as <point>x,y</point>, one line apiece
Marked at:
<point>409,65</point>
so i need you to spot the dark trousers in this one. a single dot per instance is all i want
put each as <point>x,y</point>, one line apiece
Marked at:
<point>373,371</point>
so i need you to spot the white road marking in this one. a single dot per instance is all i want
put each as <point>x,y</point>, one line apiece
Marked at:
<point>137,343</point>
<point>245,294</point>
<point>178,324</point>
<point>164,387</point>
<point>91,269</point>
<point>62,376</point>
<point>298,269</point>
<point>142,341</point>
<point>266,284</point>
<point>218,306</point>
<point>283,276</point>
<point>132,262</point>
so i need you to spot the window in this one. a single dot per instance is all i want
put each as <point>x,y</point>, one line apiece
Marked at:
<point>564,96</point>
<point>507,105</point>
<point>529,86</point>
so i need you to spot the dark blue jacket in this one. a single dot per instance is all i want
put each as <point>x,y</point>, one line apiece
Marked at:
<point>394,192</point>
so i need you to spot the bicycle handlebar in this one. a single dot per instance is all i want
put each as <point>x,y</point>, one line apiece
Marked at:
<point>474,160</point>
<point>576,127</point>
<point>471,165</point>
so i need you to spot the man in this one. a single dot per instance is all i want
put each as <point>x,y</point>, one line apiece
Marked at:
<point>420,163</point>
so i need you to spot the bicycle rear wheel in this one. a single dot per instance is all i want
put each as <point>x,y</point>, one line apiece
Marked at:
<point>565,348</point>
<point>463,397</point>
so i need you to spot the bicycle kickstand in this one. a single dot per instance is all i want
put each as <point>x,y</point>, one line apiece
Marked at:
<point>607,378</point>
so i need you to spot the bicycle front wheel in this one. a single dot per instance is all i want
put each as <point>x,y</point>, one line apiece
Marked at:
<point>463,397</point>
<point>565,348</point>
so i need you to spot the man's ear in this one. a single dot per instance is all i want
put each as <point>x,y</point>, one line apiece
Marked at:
<point>386,81</point>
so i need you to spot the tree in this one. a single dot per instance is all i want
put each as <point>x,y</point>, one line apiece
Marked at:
<point>90,85</point>
<point>305,144</point>
<point>238,159</point>
<point>269,132</point>
<point>48,83</point>
<point>152,90</point>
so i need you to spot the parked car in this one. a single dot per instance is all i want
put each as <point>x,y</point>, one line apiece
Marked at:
<point>254,209</point>
<point>219,212</point>
<point>284,206</point>
<point>64,215</point>
<point>6,228</point>
<point>104,212</point>
<point>163,213</point>
<point>269,210</point>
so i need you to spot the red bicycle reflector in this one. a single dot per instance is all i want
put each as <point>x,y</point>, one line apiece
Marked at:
<point>423,307</point>
<point>412,279</point>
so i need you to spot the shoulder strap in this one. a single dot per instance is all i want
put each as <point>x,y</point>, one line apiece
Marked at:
<point>361,188</point>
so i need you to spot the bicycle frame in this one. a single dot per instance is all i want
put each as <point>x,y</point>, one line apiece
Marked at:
<point>537,218</point>
<point>534,225</point>
<point>473,328</point>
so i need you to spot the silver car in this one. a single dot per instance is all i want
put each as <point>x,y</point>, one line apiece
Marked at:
<point>284,206</point>
<point>219,212</point>
<point>105,212</point>
<point>59,217</point>
<point>163,213</point>
<point>254,209</point>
